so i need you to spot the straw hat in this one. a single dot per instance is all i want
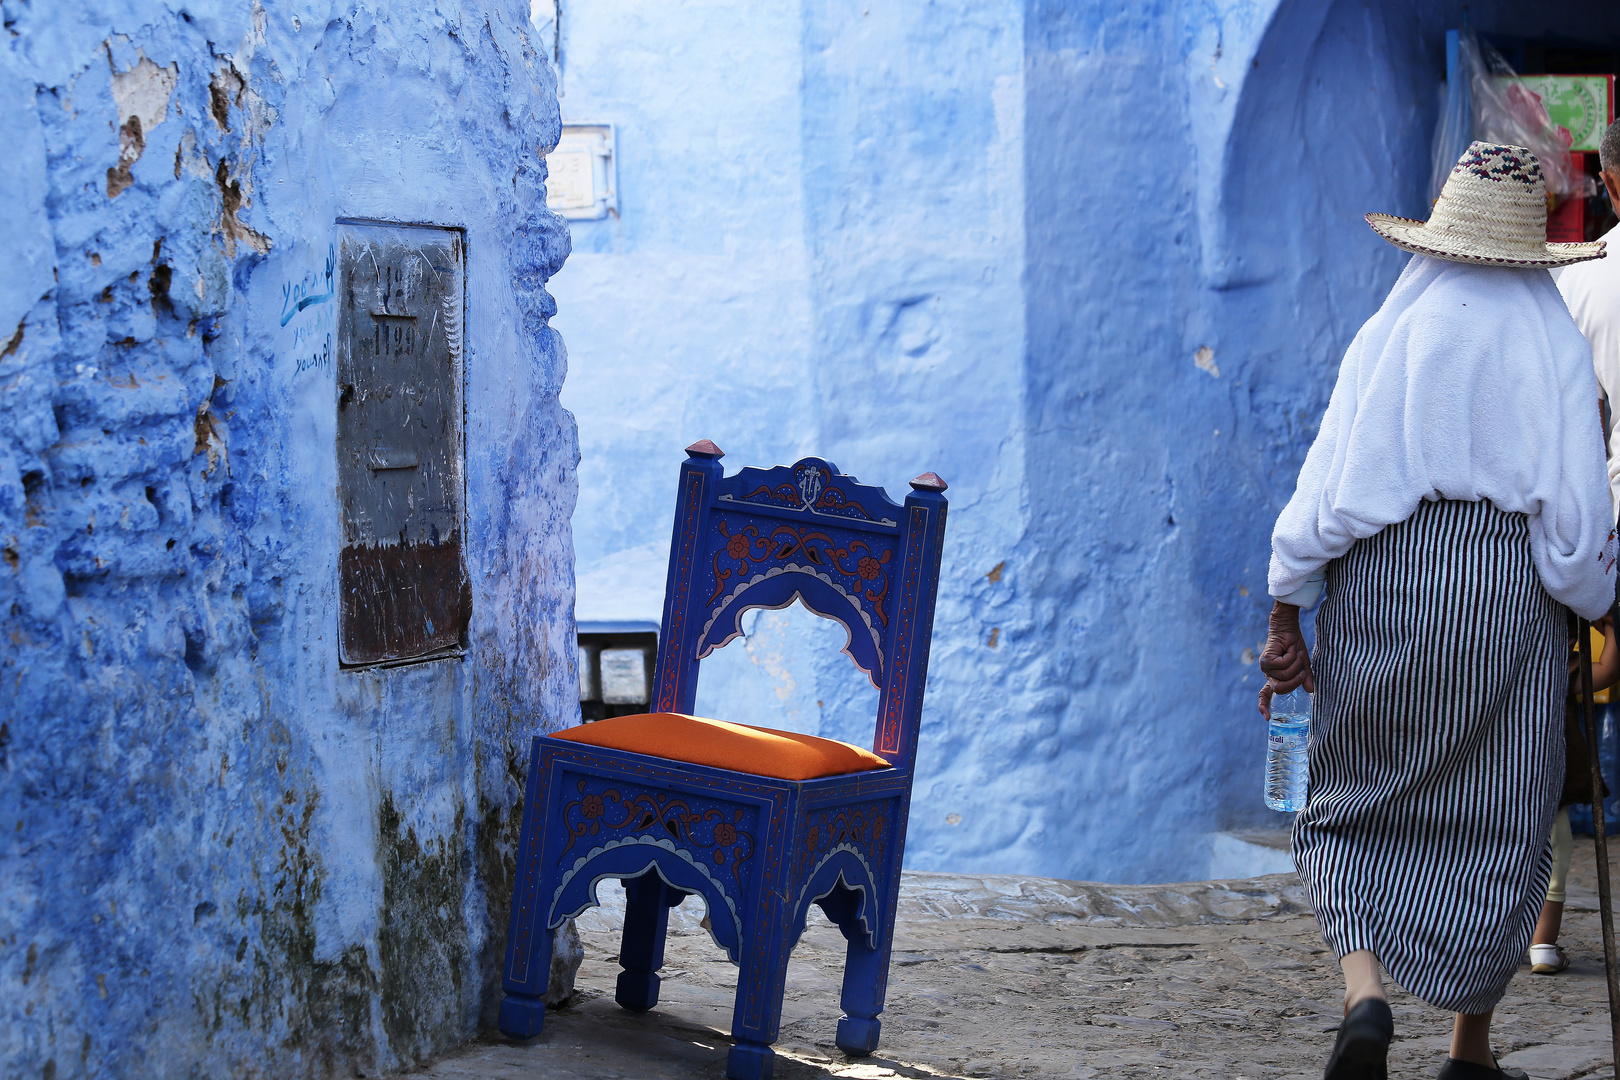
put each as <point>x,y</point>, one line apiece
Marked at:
<point>1492,211</point>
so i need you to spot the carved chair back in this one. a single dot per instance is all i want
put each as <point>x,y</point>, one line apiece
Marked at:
<point>767,537</point>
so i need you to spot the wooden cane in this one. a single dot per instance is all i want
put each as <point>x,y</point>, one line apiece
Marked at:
<point>1600,834</point>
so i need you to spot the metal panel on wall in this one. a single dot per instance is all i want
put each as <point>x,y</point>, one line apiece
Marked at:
<point>404,592</point>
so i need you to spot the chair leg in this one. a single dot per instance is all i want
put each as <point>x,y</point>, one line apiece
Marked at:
<point>866,978</point>
<point>866,975</point>
<point>526,971</point>
<point>760,982</point>
<point>641,950</point>
<point>523,1016</point>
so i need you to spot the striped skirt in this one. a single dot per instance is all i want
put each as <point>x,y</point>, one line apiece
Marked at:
<point>1437,751</point>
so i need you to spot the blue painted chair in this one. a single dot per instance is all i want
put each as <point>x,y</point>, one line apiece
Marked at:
<point>759,849</point>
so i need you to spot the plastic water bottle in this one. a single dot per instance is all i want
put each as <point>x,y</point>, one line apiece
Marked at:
<point>1287,764</point>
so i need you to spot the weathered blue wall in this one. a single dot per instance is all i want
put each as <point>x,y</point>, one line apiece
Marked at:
<point>220,854</point>
<point>993,240</point>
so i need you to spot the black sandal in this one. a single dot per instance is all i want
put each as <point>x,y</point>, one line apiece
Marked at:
<point>1361,1052</point>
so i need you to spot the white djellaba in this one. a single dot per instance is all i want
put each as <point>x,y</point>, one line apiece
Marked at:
<point>1470,382</point>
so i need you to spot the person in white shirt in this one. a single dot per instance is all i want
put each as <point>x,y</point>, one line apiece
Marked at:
<point>1592,291</point>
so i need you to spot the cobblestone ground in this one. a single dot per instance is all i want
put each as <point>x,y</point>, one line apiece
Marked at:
<point>1029,977</point>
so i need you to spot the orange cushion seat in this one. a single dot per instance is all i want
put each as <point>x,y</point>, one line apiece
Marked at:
<point>785,755</point>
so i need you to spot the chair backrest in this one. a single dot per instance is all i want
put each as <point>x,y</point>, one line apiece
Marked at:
<point>766,537</point>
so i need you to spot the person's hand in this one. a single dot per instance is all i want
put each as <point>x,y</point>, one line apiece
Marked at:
<point>1285,662</point>
<point>1605,666</point>
<point>1606,672</point>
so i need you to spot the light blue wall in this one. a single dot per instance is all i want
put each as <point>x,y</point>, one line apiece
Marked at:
<point>856,175</point>
<point>220,855</point>
<point>990,240</point>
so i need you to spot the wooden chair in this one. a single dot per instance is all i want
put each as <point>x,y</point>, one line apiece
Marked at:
<point>748,819</point>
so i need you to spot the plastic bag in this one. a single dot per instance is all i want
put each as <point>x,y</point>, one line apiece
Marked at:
<point>1492,104</point>
<point>1453,132</point>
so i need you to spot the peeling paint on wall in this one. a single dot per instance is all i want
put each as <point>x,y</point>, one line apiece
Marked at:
<point>220,853</point>
<point>142,94</point>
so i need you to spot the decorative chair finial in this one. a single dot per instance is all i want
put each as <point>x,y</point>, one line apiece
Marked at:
<point>705,448</point>
<point>929,482</point>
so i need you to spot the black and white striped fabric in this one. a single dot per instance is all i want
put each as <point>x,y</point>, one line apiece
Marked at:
<point>1437,751</point>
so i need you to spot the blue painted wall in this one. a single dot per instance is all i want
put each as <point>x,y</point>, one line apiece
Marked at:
<point>995,240</point>
<point>221,855</point>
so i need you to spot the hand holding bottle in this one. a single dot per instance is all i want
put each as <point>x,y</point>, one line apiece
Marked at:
<point>1285,661</point>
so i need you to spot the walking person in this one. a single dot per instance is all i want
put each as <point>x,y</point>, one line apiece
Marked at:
<point>1547,957</point>
<point>1592,291</point>
<point>1454,498</point>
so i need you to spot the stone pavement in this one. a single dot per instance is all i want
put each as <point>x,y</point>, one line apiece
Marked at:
<point>1006,976</point>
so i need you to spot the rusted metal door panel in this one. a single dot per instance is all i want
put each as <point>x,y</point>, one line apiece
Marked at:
<point>399,456</point>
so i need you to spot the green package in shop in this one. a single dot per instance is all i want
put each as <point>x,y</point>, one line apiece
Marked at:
<point>1578,103</point>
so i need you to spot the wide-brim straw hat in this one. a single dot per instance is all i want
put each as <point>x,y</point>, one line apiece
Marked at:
<point>1492,211</point>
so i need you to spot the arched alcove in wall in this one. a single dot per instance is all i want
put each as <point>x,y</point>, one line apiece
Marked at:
<point>1334,117</point>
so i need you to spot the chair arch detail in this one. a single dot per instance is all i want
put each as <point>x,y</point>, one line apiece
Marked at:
<point>844,867</point>
<point>778,588</point>
<point>630,857</point>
